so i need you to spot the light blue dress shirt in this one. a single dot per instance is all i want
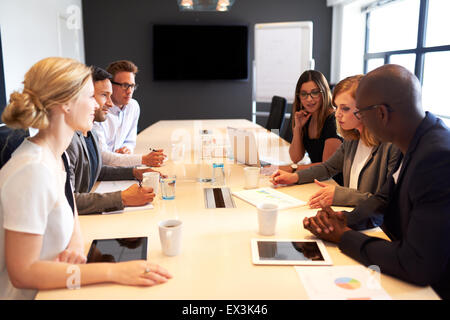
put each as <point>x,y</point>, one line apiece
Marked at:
<point>120,128</point>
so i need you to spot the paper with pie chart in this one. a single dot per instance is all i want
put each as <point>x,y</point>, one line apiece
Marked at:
<point>342,283</point>
<point>269,195</point>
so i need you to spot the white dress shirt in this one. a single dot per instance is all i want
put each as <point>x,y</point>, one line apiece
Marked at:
<point>360,159</point>
<point>120,160</point>
<point>120,128</point>
<point>397,173</point>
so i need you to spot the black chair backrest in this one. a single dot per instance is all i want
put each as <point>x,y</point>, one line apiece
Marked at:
<point>277,111</point>
<point>10,139</point>
<point>286,131</point>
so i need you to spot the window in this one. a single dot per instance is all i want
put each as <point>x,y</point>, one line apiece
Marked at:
<point>438,23</point>
<point>393,26</point>
<point>435,83</point>
<point>407,60</point>
<point>374,63</point>
<point>414,34</point>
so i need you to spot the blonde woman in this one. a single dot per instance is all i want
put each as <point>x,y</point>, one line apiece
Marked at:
<point>364,162</point>
<point>40,238</point>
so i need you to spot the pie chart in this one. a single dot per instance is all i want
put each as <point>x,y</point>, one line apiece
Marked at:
<point>347,283</point>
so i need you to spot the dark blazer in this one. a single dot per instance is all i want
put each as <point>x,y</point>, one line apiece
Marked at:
<point>80,176</point>
<point>374,173</point>
<point>416,213</point>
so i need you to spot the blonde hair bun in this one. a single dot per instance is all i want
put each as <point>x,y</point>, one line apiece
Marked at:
<point>49,82</point>
<point>24,111</point>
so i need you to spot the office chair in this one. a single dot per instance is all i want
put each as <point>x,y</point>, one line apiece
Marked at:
<point>277,111</point>
<point>10,139</point>
<point>286,130</point>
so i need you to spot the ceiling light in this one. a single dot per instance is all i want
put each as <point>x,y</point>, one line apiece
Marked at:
<point>205,5</point>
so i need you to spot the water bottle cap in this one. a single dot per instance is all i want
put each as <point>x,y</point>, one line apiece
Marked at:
<point>217,165</point>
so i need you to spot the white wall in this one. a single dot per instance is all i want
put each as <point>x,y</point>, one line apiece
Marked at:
<point>32,30</point>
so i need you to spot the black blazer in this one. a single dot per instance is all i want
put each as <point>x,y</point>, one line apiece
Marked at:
<point>416,212</point>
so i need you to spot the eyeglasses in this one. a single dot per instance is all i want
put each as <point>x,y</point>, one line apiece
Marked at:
<point>125,86</point>
<point>314,94</point>
<point>361,110</point>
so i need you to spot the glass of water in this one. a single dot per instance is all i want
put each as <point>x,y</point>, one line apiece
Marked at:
<point>168,187</point>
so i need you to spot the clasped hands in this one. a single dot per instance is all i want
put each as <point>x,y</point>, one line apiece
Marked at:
<point>327,224</point>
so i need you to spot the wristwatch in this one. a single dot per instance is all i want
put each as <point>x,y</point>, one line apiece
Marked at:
<point>294,167</point>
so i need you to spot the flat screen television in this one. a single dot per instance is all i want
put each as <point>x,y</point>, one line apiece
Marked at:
<point>193,52</point>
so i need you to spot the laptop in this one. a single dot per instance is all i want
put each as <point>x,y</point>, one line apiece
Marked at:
<point>245,149</point>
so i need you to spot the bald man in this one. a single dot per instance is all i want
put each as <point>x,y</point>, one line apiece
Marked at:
<point>415,202</point>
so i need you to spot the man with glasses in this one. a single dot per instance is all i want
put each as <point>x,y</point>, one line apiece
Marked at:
<point>86,165</point>
<point>415,201</point>
<point>118,133</point>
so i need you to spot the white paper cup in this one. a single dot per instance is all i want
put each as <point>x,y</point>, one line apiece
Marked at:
<point>170,236</point>
<point>251,177</point>
<point>267,218</point>
<point>151,179</point>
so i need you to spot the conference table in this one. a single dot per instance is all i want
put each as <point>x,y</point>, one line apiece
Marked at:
<point>215,262</point>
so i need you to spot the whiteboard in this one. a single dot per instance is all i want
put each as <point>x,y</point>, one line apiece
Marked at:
<point>282,52</point>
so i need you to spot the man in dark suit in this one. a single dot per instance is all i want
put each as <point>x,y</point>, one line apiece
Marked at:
<point>415,202</point>
<point>86,167</point>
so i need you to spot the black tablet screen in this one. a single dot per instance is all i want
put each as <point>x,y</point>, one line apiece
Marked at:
<point>117,250</point>
<point>288,250</point>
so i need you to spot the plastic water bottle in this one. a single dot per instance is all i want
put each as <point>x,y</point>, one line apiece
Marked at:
<point>218,178</point>
<point>207,144</point>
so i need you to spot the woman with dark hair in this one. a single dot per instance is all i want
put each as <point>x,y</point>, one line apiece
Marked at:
<point>314,123</point>
<point>364,161</point>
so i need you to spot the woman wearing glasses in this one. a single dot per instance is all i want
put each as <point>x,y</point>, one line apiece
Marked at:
<point>365,162</point>
<point>314,123</point>
<point>41,245</point>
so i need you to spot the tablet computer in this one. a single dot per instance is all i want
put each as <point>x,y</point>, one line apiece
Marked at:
<point>118,250</point>
<point>289,252</point>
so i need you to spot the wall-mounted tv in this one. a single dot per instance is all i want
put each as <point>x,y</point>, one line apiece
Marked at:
<point>200,52</point>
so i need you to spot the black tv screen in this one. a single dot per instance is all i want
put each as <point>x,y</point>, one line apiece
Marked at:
<point>188,52</point>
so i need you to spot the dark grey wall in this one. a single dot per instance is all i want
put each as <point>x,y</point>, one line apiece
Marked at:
<point>118,29</point>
